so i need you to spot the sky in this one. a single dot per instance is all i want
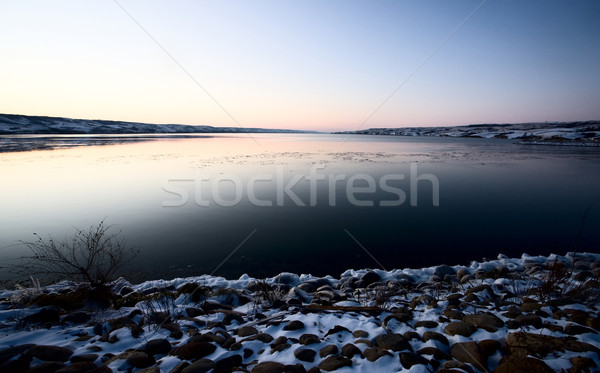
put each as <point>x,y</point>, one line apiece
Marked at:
<point>315,65</point>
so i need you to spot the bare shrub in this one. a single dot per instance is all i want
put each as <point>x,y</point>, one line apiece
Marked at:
<point>25,295</point>
<point>160,308</point>
<point>95,256</point>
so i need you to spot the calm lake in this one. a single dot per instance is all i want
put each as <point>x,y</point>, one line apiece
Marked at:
<point>300,203</point>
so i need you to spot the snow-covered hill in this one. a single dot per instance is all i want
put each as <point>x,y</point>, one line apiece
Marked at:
<point>587,132</point>
<point>24,124</point>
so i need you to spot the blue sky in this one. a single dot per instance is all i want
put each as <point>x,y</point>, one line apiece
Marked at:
<point>324,65</point>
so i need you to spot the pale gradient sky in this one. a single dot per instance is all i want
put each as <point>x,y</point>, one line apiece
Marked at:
<point>321,65</point>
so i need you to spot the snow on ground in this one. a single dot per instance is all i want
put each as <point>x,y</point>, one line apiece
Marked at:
<point>240,324</point>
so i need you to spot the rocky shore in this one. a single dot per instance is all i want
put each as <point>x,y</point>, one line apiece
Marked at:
<point>528,314</point>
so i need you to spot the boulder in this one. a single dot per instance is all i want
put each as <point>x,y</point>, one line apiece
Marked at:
<point>246,331</point>
<point>408,359</point>
<point>436,336</point>
<point>199,366</point>
<point>334,363</point>
<point>269,367</point>
<point>50,353</point>
<point>139,359</point>
<point>307,339</point>
<point>469,352</point>
<point>486,321</point>
<point>460,328</point>
<point>194,350</point>
<point>510,364</point>
<point>522,344</point>
<point>158,346</point>
<point>328,350</point>
<point>349,350</point>
<point>305,354</point>
<point>394,342</point>
<point>374,353</point>
<point>294,325</point>
<point>228,364</point>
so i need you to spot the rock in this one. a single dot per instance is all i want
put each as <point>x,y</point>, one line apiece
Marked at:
<point>305,354</point>
<point>77,318</point>
<point>360,334</point>
<point>85,358</point>
<point>199,366</point>
<point>453,314</point>
<point>180,367</point>
<point>15,366</point>
<point>435,335</point>
<point>280,347</point>
<point>159,346</point>
<point>522,344</point>
<point>297,368</point>
<point>460,328</point>
<point>148,370</point>
<point>370,278</point>
<point>124,322</point>
<point>328,350</point>
<point>593,322</point>
<point>349,350</point>
<point>45,315</point>
<point>175,330</point>
<point>246,331</point>
<point>307,339</point>
<point>49,353</point>
<point>450,365</point>
<point>9,353</point>
<point>530,306</point>
<point>394,342</point>
<point>209,306</point>
<point>443,270</point>
<point>294,325</point>
<point>581,364</point>
<point>479,289</point>
<point>574,329</point>
<point>461,272</point>
<point>279,341</point>
<point>429,324</point>
<point>364,341</point>
<point>486,321</point>
<point>400,316</point>
<point>409,335</point>
<point>489,346</point>
<point>512,312</point>
<point>577,316</point>
<point>529,319</point>
<point>511,364</point>
<point>47,367</point>
<point>139,359</point>
<point>194,350</point>
<point>311,286</point>
<point>80,367</point>
<point>269,367</point>
<point>263,337</point>
<point>374,353</point>
<point>408,359</point>
<point>437,354</point>
<point>194,312</point>
<point>228,364</point>
<point>231,317</point>
<point>334,363</point>
<point>469,352</point>
<point>337,329</point>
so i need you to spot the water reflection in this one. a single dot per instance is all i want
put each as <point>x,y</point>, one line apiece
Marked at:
<point>495,197</point>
